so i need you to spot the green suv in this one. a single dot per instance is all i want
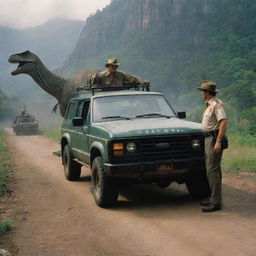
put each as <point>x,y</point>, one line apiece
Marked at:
<point>131,136</point>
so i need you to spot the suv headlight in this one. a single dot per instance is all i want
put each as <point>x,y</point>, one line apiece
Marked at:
<point>131,147</point>
<point>196,144</point>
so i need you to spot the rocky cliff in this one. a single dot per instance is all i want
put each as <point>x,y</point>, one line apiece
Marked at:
<point>133,27</point>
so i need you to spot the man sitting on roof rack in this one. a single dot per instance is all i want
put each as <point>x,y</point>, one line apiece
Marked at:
<point>113,78</point>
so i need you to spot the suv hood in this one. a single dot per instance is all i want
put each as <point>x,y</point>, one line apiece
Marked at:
<point>149,126</point>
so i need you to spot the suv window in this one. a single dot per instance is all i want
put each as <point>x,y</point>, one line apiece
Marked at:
<point>83,110</point>
<point>86,112</point>
<point>71,110</point>
<point>80,109</point>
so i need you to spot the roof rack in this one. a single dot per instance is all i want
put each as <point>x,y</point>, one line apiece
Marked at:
<point>98,87</point>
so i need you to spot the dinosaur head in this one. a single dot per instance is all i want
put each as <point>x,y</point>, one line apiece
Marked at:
<point>26,60</point>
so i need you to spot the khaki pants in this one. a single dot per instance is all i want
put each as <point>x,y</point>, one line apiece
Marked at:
<point>214,175</point>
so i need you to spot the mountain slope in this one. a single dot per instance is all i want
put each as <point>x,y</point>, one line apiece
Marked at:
<point>176,44</point>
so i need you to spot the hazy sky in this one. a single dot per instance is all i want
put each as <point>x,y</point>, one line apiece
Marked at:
<point>30,13</point>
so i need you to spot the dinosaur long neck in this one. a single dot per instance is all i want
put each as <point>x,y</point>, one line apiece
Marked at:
<point>49,82</point>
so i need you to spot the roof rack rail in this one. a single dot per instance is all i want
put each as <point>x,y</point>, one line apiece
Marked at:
<point>98,87</point>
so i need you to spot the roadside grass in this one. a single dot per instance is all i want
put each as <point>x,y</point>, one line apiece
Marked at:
<point>52,131</point>
<point>5,164</point>
<point>241,154</point>
<point>5,226</point>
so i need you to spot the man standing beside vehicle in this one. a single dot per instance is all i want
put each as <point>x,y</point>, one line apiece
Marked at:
<point>214,125</point>
<point>113,78</point>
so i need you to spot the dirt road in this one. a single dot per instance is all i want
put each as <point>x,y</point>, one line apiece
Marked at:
<point>55,217</point>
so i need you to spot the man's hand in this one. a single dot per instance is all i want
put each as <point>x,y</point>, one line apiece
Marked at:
<point>217,147</point>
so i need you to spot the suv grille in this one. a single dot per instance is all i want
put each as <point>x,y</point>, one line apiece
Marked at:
<point>175,148</point>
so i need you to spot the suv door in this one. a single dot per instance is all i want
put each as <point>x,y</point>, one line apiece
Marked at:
<point>67,126</point>
<point>80,140</point>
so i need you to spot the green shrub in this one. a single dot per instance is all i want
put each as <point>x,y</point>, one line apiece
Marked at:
<point>5,226</point>
<point>5,164</point>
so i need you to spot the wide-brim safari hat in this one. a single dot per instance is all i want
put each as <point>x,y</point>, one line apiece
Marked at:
<point>208,86</point>
<point>112,61</point>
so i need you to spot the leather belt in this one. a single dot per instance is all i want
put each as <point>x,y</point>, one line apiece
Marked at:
<point>211,133</point>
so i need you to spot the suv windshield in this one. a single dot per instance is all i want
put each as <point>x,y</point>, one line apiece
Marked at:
<point>130,106</point>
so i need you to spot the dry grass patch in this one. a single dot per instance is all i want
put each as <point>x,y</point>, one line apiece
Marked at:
<point>241,154</point>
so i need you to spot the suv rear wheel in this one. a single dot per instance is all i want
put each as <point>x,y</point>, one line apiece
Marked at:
<point>103,189</point>
<point>72,169</point>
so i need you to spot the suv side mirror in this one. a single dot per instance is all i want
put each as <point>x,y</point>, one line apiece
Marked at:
<point>77,121</point>
<point>181,115</point>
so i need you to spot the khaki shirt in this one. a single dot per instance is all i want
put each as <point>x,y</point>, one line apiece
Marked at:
<point>213,114</point>
<point>114,80</point>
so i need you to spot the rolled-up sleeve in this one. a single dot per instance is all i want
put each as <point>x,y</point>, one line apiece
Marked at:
<point>220,112</point>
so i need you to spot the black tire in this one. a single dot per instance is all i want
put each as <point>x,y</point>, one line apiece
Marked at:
<point>198,185</point>
<point>104,191</point>
<point>72,169</point>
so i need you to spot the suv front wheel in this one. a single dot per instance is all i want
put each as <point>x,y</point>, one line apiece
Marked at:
<point>72,169</point>
<point>103,188</point>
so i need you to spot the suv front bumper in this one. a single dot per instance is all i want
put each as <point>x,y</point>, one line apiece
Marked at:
<point>155,169</point>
